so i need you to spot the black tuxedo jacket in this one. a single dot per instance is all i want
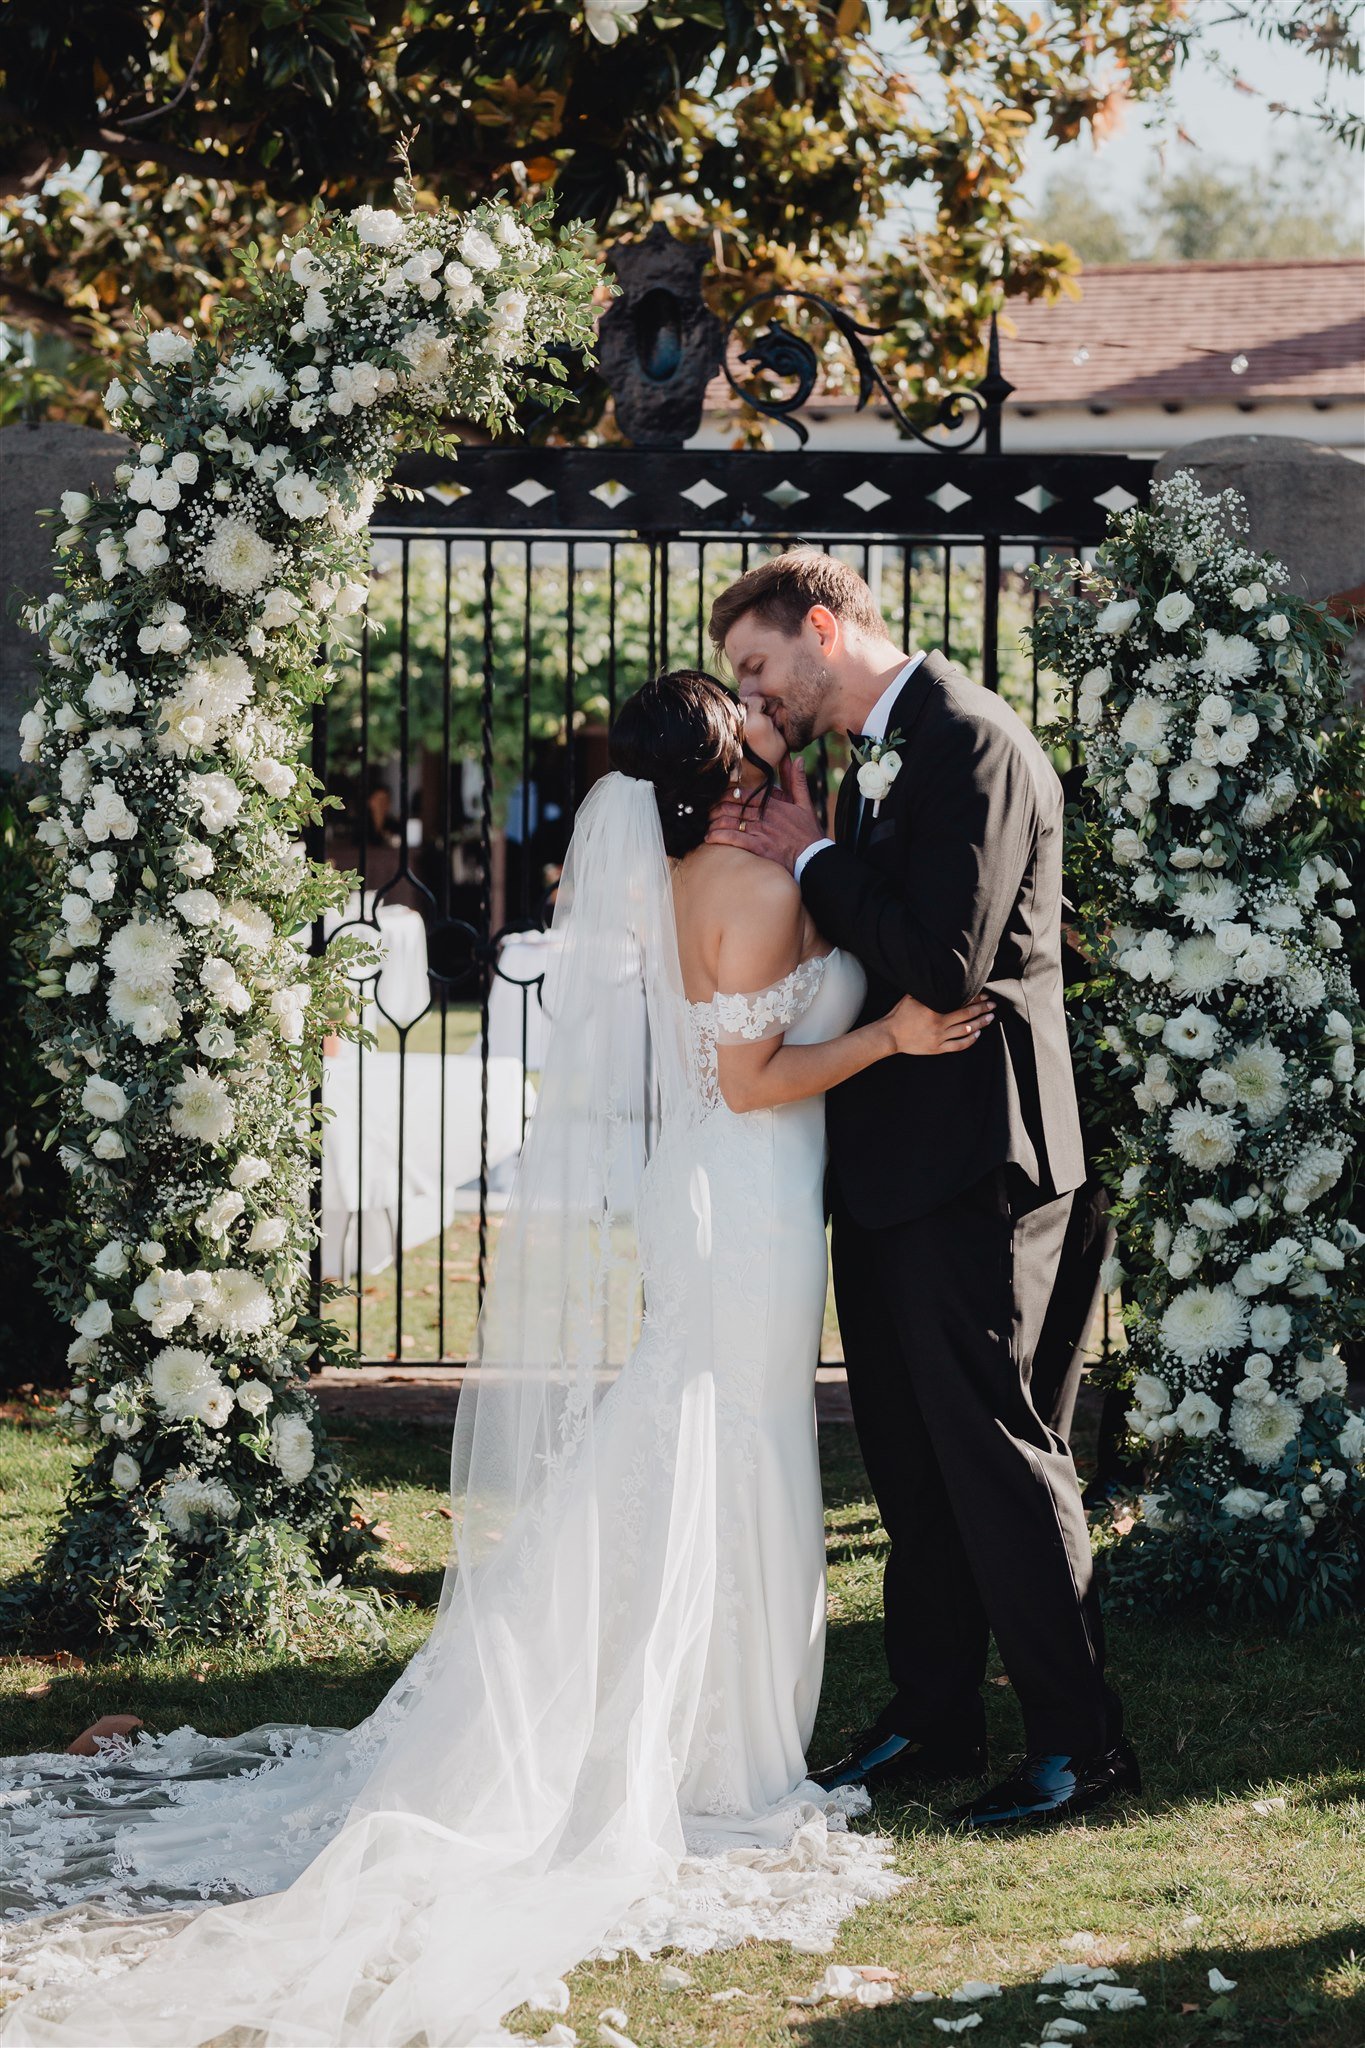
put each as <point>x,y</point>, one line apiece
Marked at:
<point>954,887</point>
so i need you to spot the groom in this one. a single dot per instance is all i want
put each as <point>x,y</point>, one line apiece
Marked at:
<point>950,1182</point>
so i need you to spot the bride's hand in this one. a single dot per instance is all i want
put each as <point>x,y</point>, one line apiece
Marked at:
<point>916,1028</point>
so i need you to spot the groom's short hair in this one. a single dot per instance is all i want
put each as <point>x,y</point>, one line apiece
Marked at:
<point>782,590</point>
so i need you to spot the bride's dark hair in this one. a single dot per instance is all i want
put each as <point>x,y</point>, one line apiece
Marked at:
<point>684,732</point>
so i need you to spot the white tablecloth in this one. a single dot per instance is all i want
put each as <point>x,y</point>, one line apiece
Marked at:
<point>523,956</point>
<point>360,1183</point>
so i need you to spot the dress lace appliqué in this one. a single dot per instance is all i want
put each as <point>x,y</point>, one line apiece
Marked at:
<point>727,1019</point>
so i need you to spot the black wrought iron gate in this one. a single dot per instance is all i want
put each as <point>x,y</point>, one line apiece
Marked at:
<point>514,603</point>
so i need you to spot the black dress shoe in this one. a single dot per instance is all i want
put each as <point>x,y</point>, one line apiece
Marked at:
<point>1053,1788</point>
<point>878,1759</point>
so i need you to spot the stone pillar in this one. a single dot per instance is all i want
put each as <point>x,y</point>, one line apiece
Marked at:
<point>38,461</point>
<point>1307,507</point>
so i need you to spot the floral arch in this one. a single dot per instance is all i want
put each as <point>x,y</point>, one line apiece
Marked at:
<point>179,1017</point>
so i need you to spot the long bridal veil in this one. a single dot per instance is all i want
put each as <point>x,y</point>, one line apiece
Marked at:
<point>515,1798</point>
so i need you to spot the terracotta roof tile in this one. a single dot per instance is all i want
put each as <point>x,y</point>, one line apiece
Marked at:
<point>1171,333</point>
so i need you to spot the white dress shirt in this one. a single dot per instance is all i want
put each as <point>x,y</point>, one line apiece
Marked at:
<point>874,728</point>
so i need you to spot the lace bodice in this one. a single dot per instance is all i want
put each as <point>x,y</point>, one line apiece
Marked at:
<point>726,1019</point>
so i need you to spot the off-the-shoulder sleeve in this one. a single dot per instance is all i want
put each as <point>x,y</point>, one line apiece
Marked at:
<point>749,1019</point>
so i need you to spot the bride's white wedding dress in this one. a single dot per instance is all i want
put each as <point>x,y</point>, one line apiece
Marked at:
<point>601,1746</point>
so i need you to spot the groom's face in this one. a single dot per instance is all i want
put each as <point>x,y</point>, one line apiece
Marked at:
<point>786,674</point>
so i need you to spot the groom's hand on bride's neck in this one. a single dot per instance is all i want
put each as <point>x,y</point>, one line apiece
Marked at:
<point>780,829</point>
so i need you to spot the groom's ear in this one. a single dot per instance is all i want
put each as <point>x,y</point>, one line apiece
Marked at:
<point>827,629</point>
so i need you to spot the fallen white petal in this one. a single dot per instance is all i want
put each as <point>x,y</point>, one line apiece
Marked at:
<point>1064,2030</point>
<point>923,1997</point>
<point>614,2016</point>
<point>1218,1982</point>
<point>1080,2001</point>
<point>1081,1939</point>
<point>673,1979</point>
<point>724,1997</point>
<point>969,2019</point>
<point>874,1994</point>
<point>560,2036</point>
<point>1119,1997</point>
<point>1079,1973</point>
<point>1265,1806</point>
<point>974,1989</point>
<point>613,2038</point>
<point>554,1999</point>
<point>1193,1920</point>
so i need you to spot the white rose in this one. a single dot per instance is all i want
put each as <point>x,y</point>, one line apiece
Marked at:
<point>125,1472</point>
<point>1173,610</point>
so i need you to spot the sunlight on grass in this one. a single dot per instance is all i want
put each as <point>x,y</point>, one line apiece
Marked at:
<point>1190,1878</point>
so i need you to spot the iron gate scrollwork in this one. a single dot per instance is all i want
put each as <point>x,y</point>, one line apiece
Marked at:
<point>515,600</point>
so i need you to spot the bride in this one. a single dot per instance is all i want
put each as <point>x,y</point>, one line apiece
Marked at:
<point>601,1745</point>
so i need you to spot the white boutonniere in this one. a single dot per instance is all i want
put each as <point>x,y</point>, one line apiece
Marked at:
<point>878,766</point>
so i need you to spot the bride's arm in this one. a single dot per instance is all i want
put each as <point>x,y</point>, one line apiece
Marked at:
<point>760,943</point>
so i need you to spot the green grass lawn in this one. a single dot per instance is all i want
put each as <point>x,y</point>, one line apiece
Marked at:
<point>1190,1877</point>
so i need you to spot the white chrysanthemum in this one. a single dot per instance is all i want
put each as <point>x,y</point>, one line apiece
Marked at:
<point>1203,1322</point>
<point>146,954</point>
<point>1144,723</point>
<point>1199,966</point>
<point>1192,784</point>
<point>1198,1415</point>
<point>1263,1430</point>
<point>201,1107</point>
<point>1193,1034</point>
<point>239,1305</point>
<point>169,345</point>
<point>291,1446</point>
<point>187,1499</point>
<point>1228,658</point>
<point>1312,1174</point>
<point>179,1378</point>
<point>1207,901</point>
<point>1258,1073</point>
<point>268,1234</point>
<point>252,925</point>
<point>249,382</point>
<point>427,351</point>
<point>236,558</point>
<point>1203,1138</point>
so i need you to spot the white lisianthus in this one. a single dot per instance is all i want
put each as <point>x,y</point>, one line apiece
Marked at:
<point>1193,1034</point>
<point>291,1446</point>
<point>1117,616</point>
<point>1243,1503</point>
<point>1198,1415</point>
<point>1192,783</point>
<point>217,1217</point>
<point>254,1397</point>
<point>268,1234</point>
<point>104,1098</point>
<point>1271,1327</point>
<point>125,1472</point>
<point>379,227</point>
<point>249,1171</point>
<point>289,1006</point>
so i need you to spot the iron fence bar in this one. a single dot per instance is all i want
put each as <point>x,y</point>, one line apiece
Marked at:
<point>444,905</point>
<point>485,907</point>
<point>316,843</point>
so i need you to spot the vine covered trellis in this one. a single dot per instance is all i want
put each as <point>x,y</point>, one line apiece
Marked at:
<point>179,1014</point>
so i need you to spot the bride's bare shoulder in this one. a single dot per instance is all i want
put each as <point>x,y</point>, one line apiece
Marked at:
<point>727,871</point>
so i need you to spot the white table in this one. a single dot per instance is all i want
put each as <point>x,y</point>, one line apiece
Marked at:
<point>360,1178</point>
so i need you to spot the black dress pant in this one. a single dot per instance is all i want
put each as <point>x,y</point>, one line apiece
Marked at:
<point>940,1318</point>
<point>1059,1360</point>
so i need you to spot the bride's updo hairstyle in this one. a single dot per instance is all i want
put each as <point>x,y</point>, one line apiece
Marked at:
<point>684,732</point>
